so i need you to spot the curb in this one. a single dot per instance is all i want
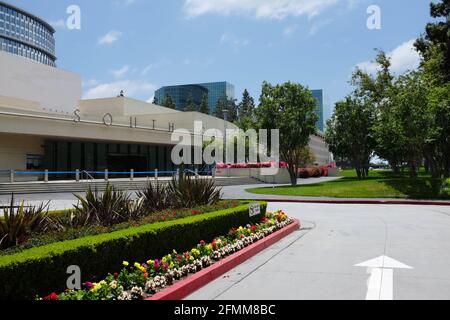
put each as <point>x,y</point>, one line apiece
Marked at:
<point>380,202</point>
<point>192,283</point>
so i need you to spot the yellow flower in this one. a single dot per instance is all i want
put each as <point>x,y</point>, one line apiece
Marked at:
<point>137,265</point>
<point>150,262</point>
<point>96,287</point>
<point>172,266</point>
<point>125,263</point>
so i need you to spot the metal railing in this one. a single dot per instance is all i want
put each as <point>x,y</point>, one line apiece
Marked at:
<point>90,176</point>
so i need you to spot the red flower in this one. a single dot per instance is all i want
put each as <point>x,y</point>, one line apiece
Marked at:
<point>52,297</point>
<point>214,244</point>
<point>202,243</point>
<point>115,275</point>
<point>254,228</point>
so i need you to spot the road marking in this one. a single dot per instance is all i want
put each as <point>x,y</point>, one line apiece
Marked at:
<point>380,285</point>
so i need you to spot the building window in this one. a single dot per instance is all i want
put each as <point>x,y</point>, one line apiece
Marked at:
<point>35,162</point>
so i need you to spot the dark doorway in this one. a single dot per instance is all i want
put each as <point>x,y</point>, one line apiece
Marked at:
<point>124,163</point>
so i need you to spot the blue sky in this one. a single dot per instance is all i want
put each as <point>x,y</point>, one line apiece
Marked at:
<point>140,45</point>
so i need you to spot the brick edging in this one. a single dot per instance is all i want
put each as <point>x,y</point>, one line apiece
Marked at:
<point>192,283</point>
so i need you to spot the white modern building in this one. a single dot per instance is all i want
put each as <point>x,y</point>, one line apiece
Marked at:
<point>46,125</point>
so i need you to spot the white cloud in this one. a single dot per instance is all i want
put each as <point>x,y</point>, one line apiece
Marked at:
<point>110,37</point>
<point>121,72</point>
<point>270,9</point>
<point>233,41</point>
<point>404,57</point>
<point>112,89</point>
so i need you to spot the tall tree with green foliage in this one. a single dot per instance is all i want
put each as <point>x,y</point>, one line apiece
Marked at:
<point>168,102</point>
<point>190,104</point>
<point>349,132</point>
<point>220,107</point>
<point>378,91</point>
<point>246,106</point>
<point>204,105</point>
<point>434,45</point>
<point>409,109</point>
<point>155,100</point>
<point>290,108</point>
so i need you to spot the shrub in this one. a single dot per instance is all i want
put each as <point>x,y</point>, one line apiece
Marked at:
<point>314,172</point>
<point>303,173</point>
<point>190,192</point>
<point>40,270</point>
<point>19,222</point>
<point>109,208</point>
<point>156,197</point>
<point>445,191</point>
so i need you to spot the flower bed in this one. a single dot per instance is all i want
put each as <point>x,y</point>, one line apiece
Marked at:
<point>143,280</point>
<point>97,255</point>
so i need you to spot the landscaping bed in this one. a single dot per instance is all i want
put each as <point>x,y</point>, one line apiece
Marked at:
<point>138,281</point>
<point>40,270</point>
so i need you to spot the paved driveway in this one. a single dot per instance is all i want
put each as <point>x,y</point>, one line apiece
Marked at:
<point>319,261</point>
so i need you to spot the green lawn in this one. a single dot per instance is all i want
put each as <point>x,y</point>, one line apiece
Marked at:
<point>380,184</point>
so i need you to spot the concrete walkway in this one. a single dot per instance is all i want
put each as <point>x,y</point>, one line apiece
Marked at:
<point>319,261</point>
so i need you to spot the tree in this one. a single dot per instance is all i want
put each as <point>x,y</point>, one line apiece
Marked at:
<point>378,91</point>
<point>412,118</point>
<point>190,104</point>
<point>435,44</point>
<point>232,109</point>
<point>247,105</point>
<point>349,133</point>
<point>220,107</point>
<point>204,105</point>
<point>155,100</point>
<point>168,102</point>
<point>291,109</point>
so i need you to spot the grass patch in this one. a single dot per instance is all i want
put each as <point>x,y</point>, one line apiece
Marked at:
<point>380,184</point>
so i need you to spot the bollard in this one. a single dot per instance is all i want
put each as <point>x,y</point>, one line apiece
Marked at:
<point>178,174</point>
<point>156,175</point>
<point>132,174</point>
<point>106,175</point>
<point>11,176</point>
<point>46,176</point>
<point>77,175</point>
<point>196,173</point>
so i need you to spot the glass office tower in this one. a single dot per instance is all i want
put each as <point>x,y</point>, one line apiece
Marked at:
<point>218,90</point>
<point>26,35</point>
<point>180,94</point>
<point>318,94</point>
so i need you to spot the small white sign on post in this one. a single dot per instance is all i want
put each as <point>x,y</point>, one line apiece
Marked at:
<point>255,209</point>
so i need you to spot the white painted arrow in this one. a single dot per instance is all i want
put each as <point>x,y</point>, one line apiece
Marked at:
<point>381,281</point>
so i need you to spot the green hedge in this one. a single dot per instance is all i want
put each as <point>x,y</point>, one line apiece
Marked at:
<point>41,270</point>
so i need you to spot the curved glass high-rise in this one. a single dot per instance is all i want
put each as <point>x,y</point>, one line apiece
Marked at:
<point>26,35</point>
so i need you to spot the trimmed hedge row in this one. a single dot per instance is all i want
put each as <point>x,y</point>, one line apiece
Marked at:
<point>41,270</point>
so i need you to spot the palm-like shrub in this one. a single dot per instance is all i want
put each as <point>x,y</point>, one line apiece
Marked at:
<point>156,197</point>
<point>189,192</point>
<point>19,222</point>
<point>106,209</point>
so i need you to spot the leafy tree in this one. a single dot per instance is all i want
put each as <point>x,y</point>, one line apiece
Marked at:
<point>435,44</point>
<point>291,109</point>
<point>204,105</point>
<point>409,108</point>
<point>168,102</point>
<point>349,132</point>
<point>378,91</point>
<point>190,104</point>
<point>155,100</point>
